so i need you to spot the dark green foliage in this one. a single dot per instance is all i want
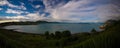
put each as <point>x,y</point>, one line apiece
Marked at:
<point>93,31</point>
<point>47,34</point>
<point>58,34</point>
<point>66,33</point>
<point>52,36</point>
<point>65,38</point>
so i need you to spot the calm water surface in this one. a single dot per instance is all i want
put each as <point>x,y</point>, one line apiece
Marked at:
<point>52,27</point>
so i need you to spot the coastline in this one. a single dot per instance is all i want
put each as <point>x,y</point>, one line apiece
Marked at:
<point>25,23</point>
<point>18,32</point>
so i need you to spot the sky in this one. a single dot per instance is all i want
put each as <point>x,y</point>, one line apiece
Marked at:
<point>60,10</point>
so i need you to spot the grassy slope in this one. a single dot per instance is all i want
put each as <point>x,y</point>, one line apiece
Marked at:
<point>19,40</point>
<point>110,38</point>
<point>23,40</point>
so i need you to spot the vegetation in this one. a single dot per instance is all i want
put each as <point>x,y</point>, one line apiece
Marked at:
<point>93,30</point>
<point>13,39</point>
<point>109,38</point>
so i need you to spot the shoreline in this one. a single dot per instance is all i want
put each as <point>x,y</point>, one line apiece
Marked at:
<point>12,31</point>
<point>26,23</point>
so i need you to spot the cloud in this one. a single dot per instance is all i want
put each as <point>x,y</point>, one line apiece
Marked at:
<point>84,11</point>
<point>16,17</point>
<point>36,16</point>
<point>68,10</point>
<point>14,11</point>
<point>28,17</point>
<point>33,16</point>
<point>5,2</point>
<point>72,11</point>
<point>53,4</point>
<point>17,12</point>
<point>106,12</point>
<point>0,8</point>
<point>22,6</point>
<point>37,6</point>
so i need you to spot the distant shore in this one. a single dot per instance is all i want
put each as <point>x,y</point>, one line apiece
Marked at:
<point>22,23</point>
<point>26,23</point>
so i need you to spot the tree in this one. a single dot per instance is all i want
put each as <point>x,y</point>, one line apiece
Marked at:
<point>47,34</point>
<point>58,34</point>
<point>66,33</point>
<point>93,30</point>
<point>52,35</point>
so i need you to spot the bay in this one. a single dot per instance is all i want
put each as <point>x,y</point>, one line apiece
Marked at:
<point>52,27</point>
